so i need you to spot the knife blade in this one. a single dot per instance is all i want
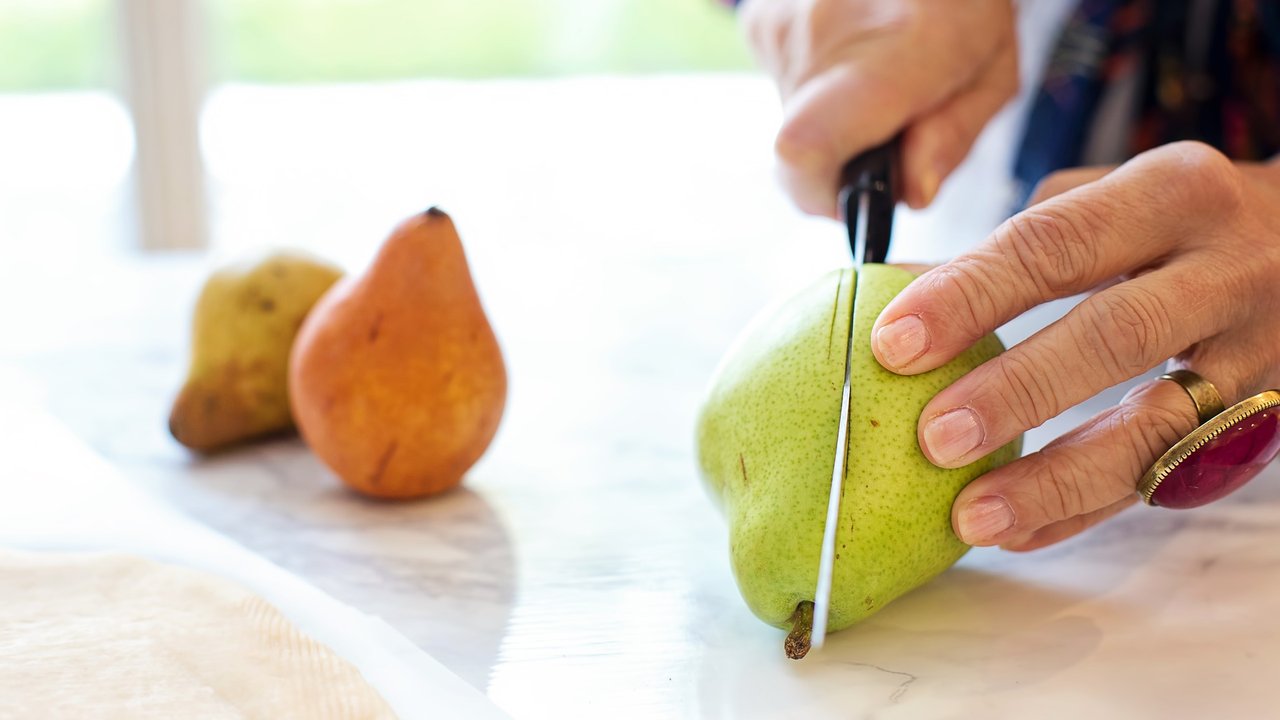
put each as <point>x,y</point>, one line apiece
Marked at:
<point>868,197</point>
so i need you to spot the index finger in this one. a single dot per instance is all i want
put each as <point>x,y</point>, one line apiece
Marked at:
<point>880,84</point>
<point>1071,243</point>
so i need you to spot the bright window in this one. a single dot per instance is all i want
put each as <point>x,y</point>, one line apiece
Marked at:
<point>69,160</point>
<point>55,44</point>
<point>354,40</point>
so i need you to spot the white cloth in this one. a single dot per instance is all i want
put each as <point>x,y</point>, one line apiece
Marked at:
<point>56,495</point>
<point>121,637</point>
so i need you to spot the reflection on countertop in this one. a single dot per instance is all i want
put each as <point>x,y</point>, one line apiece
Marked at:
<point>582,571</point>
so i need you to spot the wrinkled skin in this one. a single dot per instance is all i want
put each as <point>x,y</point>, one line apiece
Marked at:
<point>1180,248</point>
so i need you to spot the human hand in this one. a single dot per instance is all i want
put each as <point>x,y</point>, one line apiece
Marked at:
<point>853,73</point>
<point>1182,251</point>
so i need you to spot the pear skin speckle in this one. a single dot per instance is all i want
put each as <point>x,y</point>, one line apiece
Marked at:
<point>775,401</point>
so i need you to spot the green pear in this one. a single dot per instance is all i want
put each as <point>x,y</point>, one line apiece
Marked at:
<point>245,321</point>
<point>766,446</point>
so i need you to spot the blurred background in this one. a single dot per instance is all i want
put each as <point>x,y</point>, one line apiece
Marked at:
<point>585,148</point>
<point>130,124</point>
<point>609,166</point>
<point>600,157</point>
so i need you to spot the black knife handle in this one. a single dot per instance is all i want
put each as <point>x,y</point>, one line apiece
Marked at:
<point>873,174</point>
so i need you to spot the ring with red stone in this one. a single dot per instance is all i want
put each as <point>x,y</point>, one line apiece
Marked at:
<point>1228,450</point>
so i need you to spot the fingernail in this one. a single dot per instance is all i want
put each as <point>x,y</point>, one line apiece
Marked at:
<point>952,435</point>
<point>985,518</point>
<point>902,341</point>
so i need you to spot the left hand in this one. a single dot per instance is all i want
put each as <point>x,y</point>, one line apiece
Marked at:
<point>1181,249</point>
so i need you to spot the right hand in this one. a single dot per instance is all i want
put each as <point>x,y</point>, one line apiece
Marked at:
<point>852,73</point>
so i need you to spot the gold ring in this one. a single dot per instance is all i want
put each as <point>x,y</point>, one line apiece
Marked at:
<point>1217,458</point>
<point>1202,392</point>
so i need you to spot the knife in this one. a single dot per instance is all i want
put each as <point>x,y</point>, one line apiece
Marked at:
<point>868,196</point>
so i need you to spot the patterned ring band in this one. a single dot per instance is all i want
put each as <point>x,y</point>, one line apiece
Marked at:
<point>1229,448</point>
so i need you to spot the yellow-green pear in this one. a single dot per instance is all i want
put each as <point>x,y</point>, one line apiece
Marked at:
<point>766,445</point>
<point>245,321</point>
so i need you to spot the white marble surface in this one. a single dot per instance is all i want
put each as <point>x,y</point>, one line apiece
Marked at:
<point>582,571</point>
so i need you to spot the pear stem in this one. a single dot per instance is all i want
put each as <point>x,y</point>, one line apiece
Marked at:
<point>798,640</point>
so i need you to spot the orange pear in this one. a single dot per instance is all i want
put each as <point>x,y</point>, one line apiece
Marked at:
<point>396,379</point>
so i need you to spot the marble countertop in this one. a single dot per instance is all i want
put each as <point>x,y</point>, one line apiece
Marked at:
<point>582,571</point>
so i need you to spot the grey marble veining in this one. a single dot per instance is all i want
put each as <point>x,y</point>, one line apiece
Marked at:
<point>582,569</point>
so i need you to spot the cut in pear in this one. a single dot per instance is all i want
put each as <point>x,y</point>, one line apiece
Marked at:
<point>766,446</point>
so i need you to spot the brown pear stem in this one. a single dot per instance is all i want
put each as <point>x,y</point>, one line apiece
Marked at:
<point>797,643</point>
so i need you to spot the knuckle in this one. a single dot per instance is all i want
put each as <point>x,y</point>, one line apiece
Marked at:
<point>823,14</point>
<point>962,285</point>
<point>1146,431</point>
<point>926,31</point>
<point>935,26</point>
<point>1058,492</point>
<point>1199,161</point>
<point>1206,173</point>
<point>1235,374</point>
<point>795,147</point>
<point>1124,330</point>
<point>910,20</point>
<point>905,20</point>
<point>1050,248</point>
<point>822,10</point>
<point>954,134</point>
<point>1164,426</point>
<point>1030,396</point>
